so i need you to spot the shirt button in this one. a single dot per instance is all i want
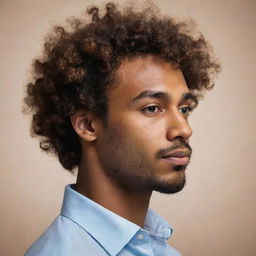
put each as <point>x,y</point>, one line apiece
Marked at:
<point>140,236</point>
<point>167,232</point>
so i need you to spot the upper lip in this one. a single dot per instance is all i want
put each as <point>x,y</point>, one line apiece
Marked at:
<point>178,153</point>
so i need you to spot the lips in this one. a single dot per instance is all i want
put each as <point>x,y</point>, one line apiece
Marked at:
<point>178,157</point>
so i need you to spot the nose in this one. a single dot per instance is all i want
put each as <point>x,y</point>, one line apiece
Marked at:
<point>178,127</point>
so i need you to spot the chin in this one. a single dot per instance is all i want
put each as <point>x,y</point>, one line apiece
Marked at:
<point>169,186</point>
<point>169,189</point>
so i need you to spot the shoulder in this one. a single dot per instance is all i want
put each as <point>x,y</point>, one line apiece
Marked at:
<point>65,237</point>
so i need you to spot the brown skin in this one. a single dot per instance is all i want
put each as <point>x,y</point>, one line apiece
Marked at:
<point>120,164</point>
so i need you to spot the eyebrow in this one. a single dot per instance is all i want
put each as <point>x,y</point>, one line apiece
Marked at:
<point>165,96</point>
<point>151,94</point>
<point>188,96</point>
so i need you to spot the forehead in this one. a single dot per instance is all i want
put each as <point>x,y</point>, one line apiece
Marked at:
<point>147,73</point>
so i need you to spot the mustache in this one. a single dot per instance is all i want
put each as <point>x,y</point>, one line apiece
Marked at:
<point>182,145</point>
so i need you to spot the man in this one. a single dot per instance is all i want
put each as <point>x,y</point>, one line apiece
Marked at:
<point>112,98</point>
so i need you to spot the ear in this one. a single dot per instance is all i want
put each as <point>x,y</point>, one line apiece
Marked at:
<point>84,126</point>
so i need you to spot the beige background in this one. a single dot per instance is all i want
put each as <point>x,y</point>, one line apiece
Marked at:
<point>215,213</point>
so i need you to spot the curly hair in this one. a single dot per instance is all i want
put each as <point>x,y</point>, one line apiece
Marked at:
<point>78,65</point>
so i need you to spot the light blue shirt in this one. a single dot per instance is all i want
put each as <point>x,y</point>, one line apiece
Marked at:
<point>85,228</point>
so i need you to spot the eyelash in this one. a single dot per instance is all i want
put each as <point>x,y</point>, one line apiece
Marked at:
<point>146,110</point>
<point>189,110</point>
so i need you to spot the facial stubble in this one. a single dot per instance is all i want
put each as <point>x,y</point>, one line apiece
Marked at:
<point>129,166</point>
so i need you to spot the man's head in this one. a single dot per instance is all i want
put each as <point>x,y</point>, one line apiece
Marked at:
<point>136,73</point>
<point>147,126</point>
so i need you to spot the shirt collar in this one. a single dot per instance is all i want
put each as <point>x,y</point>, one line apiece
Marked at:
<point>115,231</point>
<point>157,226</point>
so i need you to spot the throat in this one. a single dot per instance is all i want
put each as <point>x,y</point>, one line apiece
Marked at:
<point>131,205</point>
<point>94,183</point>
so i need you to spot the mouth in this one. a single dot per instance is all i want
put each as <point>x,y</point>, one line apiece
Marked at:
<point>177,160</point>
<point>178,157</point>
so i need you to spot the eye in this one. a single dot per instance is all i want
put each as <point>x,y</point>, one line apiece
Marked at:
<point>186,110</point>
<point>151,109</point>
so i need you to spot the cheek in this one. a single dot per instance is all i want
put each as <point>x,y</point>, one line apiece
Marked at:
<point>150,137</point>
<point>138,133</point>
<point>123,153</point>
<point>127,140</point>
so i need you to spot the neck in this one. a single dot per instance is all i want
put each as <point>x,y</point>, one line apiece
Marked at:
<point>94,183</point>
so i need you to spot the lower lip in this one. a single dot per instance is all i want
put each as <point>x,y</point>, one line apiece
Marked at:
<point>177,160</point>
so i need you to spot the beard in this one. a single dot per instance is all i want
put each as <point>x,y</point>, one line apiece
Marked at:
<point>167,186</point>
<point>131,180</point>
<point>129,166</point>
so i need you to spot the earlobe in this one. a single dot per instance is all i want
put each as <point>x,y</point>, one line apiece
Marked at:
<point>83,124</point>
